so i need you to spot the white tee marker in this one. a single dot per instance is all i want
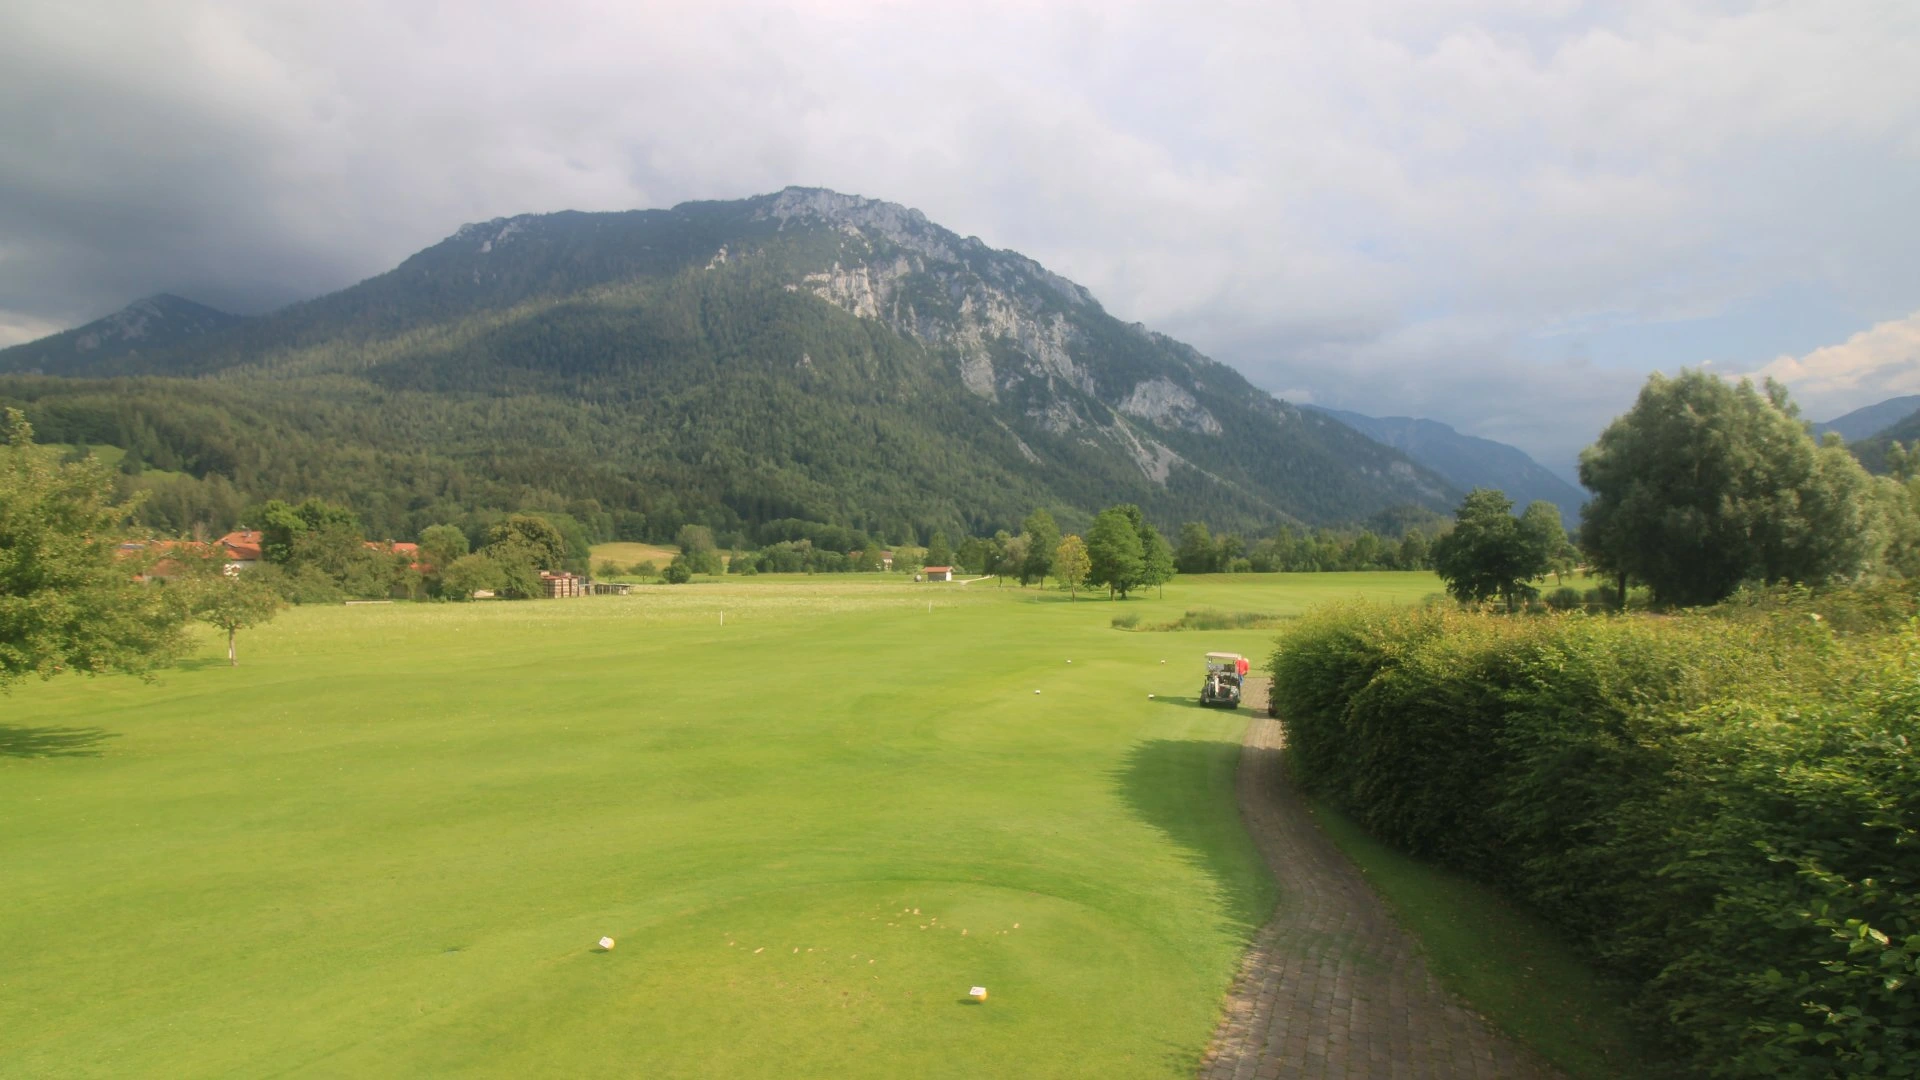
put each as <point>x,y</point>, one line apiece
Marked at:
<point>606,943</point>
<point>978,993</point>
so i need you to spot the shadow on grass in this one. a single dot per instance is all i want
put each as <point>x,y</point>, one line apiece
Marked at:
<point>49,742</point>
<point>1185,789</point>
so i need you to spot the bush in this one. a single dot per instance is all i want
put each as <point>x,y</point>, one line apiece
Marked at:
<point>1723,807</point>
<point>1565,598</point>
<point>678,572</point>
<point>1127,621</point>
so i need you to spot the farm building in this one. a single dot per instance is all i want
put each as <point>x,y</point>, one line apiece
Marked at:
<point>555,585</point>
<point>242,549</point>
<point>939,573</point>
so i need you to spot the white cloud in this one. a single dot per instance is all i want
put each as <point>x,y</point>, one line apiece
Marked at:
<point>1872,365</point>
<point>1378,203</point>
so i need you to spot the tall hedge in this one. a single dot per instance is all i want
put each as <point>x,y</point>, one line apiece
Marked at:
<point>1721,807</point>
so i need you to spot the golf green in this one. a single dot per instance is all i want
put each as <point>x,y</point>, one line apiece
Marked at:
<point>387,843</point>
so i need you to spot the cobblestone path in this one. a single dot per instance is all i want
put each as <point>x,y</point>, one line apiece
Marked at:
<point>1332,986</point>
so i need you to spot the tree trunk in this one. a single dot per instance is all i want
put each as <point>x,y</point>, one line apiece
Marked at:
<point>232,660</point>
<point>1622,602</point>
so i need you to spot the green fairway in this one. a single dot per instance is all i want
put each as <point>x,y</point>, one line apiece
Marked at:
<point>387,842</point>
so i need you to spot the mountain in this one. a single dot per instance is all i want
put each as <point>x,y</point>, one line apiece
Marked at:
<point>1867,422</point>
<point>153,326</point>
<point>804,355</point>
<point>1468,462</point>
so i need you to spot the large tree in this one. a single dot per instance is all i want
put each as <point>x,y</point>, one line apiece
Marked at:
<point>69,600</point>
<point>1704,484</point>
<point>1491,553</point>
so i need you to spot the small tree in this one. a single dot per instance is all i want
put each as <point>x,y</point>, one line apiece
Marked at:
<point>1115,552</point>
<point>235,602</point>
<point>679,571</point>
<point>1070,563</point>
<point>939,552</point>
<point>1156,557</point>
<point>1013,559</point>
<point>1043,539</point>
<point>697,545</point>
<point>441,544</point>
<point>1196,553</point>
<point>1489,552</point>
<point>469,574</point>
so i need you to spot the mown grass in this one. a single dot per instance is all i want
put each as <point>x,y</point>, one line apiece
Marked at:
<point>386,843</point>
<point>1510,966</point>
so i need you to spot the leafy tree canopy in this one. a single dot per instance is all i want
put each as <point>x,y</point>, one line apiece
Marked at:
<point>1491,553</point>
<point>1705,484</point>
<point>68,600</point>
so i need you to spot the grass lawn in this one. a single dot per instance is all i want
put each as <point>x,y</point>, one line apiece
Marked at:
<point>386,843</point>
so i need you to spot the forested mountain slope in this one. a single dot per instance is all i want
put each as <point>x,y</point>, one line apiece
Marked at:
<point>798,355</point>
<point>1467,461</point>
<point>1864,423</point>
<point>151,327</point>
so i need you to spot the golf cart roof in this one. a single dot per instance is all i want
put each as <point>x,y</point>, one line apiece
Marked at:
<point>1223,656</point>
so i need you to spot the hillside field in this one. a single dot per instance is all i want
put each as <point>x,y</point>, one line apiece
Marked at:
<point>387,843</point>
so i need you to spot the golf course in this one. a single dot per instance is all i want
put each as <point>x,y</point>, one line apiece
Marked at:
<point>811,813</point>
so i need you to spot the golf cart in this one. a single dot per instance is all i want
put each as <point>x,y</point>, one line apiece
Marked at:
<point>1226,672</point>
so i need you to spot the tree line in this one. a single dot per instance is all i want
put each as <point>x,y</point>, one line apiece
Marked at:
<point>1703,486</point>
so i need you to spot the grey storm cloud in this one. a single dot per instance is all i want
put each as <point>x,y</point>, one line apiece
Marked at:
<point>1385,206</point>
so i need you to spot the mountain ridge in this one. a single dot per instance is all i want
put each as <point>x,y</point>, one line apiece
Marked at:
<point>154,324</point>
<point>699,347</point>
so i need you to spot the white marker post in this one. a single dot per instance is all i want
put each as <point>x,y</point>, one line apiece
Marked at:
<point>606,943</point>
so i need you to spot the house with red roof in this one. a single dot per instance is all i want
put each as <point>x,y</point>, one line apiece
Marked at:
<point>939,573</point>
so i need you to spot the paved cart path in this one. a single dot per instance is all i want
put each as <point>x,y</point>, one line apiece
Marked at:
<point>1332,986</point>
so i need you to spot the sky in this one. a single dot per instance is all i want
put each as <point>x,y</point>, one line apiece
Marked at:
<point>1501,215</point>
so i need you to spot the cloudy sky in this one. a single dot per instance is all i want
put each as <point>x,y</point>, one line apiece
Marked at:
<point>1497,214</point>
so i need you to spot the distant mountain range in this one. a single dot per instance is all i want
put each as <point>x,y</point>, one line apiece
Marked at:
<point>804,355</point>
<point>150,327</point>
<point>1864,423</point>
<point>1467,462</point>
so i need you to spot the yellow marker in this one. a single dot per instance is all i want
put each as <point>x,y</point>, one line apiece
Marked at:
<point>978,993</point>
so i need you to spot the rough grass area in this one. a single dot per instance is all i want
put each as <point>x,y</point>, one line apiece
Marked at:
<point>628,554</point>
<point>386,843</point>
<point>1205,619</point>
<point>1512,967</point>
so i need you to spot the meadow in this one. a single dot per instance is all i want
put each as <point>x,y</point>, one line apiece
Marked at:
<point>388,841</point>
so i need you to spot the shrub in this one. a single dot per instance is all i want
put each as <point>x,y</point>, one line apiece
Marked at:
<point>678,572</point>
<point>1127,621</point>
<point>1565,598</point>
<point>1724,807</point>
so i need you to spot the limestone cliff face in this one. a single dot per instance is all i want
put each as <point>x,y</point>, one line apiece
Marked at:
<point>1012,329</point>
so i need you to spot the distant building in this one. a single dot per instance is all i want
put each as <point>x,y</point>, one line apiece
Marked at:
<point>939,573</point>
<point>241,550</point>
<point>886,561</point>
<point>555,585</point>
